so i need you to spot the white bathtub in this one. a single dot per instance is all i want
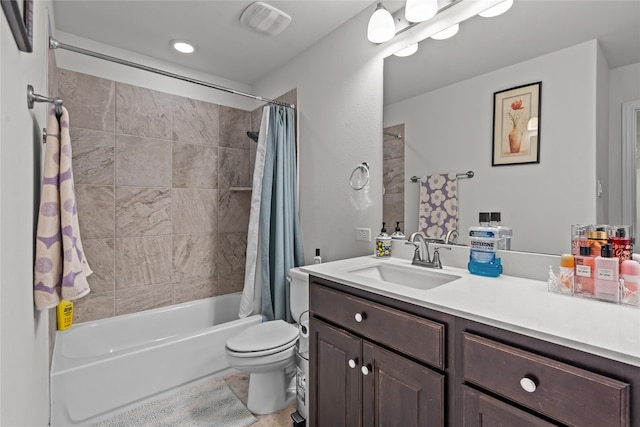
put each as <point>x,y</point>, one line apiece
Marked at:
<point>100,367</point>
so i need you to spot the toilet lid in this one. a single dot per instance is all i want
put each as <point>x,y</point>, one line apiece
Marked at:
<point>264,336</point>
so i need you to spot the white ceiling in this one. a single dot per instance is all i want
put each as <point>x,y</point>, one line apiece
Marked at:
<point>225,47</point>
<point>230,50</point>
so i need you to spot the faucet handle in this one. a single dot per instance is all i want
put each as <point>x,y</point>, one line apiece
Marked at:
<point>436,256</point>
<point>416,253</point>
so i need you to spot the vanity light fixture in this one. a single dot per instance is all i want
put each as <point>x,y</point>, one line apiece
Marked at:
<point>447,32</point>
<point>183,46</point>
<point>381,26</point>
<point>420,10</point>
<point>496,10</point>
<point>407,51</point>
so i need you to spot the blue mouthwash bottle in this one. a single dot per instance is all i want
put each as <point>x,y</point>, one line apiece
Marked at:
<point>484,241</point>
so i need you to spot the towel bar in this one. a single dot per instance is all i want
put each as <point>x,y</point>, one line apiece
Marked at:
<point>33,97</point>
<point>468,174</point>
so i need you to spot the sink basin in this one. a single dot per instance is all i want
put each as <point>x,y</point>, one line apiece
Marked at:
<point>414,277</point>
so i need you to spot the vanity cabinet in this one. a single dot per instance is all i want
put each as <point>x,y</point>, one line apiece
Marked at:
<point>381,361</point>
<point>370,364</point>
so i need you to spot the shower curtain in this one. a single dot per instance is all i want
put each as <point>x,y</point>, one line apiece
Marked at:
<point>274,243</point>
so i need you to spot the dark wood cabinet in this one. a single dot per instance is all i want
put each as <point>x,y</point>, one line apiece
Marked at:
<point>358,381</point>
<point>378,361</point>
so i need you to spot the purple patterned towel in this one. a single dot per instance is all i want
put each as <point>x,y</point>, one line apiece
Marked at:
<point>438,205</point>
<point>61,268</point>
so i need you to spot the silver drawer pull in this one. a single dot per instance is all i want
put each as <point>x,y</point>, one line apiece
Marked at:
<point>365,369</point>
<point>353,363</point>
<point>528,385</point>
<point>359,317</point>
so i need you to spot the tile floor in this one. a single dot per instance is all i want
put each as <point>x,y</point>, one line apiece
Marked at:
<point>239,383</point>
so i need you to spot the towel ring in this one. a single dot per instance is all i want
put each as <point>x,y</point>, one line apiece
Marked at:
<point>359,177</point>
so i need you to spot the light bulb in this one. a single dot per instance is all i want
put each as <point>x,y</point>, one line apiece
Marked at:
<point>381,26</point>
<point>420,10</point>
<point>496,10</point>
<point>407,51</point>
<point>447,32</point>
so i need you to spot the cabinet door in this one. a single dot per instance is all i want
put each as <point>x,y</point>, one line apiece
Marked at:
<point>399,392</point>
<point>335,377</point>
<point>480,410</point>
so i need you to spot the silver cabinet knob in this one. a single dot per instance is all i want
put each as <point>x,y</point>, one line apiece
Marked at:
<point>359,317</point>
<point>528,384</point>
<point>353,363</point>
<point>365,369</point>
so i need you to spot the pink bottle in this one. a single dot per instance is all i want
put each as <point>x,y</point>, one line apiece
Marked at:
<point>607,278</point>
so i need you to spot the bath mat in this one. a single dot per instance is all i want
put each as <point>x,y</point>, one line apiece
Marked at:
<point>211,403</point>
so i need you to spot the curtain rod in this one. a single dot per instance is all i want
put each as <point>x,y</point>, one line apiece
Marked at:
<point>54,44</point>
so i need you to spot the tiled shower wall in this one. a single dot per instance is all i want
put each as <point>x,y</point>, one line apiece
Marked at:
<point>393,178</point>
<point>154,176</point>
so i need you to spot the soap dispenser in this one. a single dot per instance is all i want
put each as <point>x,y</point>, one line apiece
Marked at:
<point>383,243</point>
<point>397,235</point>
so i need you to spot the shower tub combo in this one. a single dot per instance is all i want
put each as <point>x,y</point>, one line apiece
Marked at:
<point>103,366</point>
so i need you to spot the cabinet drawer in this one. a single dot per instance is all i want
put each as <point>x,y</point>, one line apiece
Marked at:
<point>563,392</point>
<point>411,335</point>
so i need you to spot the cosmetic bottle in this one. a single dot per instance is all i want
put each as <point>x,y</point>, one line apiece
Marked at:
<point>578,237</point>
<point>596,238</point>
<point>504,233</point>
<point>607,280</point>
<point>383,243</point>
<point>621,241</point>
<point>585,266</point>
<point>567,263</point>
<point>630,274</point>
<point>397,235</point>
<point>64,314</point>
<point>317,259</point>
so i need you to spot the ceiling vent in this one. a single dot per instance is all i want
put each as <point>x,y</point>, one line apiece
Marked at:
<point>265,18</point>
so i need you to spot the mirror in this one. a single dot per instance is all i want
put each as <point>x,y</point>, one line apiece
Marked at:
<point>443,96</point>
<point>630,163</point>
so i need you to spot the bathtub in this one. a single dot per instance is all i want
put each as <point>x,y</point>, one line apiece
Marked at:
<point>103,366</point>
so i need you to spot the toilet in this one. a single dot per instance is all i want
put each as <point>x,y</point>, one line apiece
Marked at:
<point>267,351</point>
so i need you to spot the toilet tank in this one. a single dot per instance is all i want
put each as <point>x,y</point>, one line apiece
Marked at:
<point>298,292</point>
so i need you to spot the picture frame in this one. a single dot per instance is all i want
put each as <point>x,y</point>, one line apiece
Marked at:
<point>20,22</point>
<point>516,125</point>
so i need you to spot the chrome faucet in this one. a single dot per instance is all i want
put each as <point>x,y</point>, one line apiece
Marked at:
<point>415,239</point>
<point>451,237</point>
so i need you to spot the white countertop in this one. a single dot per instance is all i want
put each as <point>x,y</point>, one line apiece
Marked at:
<point>516,304</point>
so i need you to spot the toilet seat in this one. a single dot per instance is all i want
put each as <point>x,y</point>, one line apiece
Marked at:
<point>262,340</point>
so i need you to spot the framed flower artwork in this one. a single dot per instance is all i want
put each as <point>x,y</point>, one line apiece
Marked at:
<point>516,125</point>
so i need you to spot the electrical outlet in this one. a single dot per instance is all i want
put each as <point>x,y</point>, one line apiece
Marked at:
<point>363,234</point>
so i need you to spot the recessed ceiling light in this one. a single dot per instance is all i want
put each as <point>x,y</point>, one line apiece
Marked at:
<point>447,32</point>
<point>183,46</point>
<point>407,51</point>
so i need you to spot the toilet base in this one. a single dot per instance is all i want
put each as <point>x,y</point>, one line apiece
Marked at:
<point>271,391</point>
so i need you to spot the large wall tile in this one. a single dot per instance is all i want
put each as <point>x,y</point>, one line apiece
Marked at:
<point>94,306</point>
<point>100,255</point>
<point>234,125</point>
<point>231,256</point>
<point>93,156</point>
<point>143,298</point>
<point>194,256</point>
<point>143,112</point>
<point>143,261</point>
<point>195,122</point>
<point>90,100</point>
<point>194,210</point>
<point>233,168</point>
<point>195,166</point>
<point>233,211</point>
<point>393,176</point>
<point>143,161</point>
<point>95,211</point>
<point>194,289</point>
<point>143,211</point>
